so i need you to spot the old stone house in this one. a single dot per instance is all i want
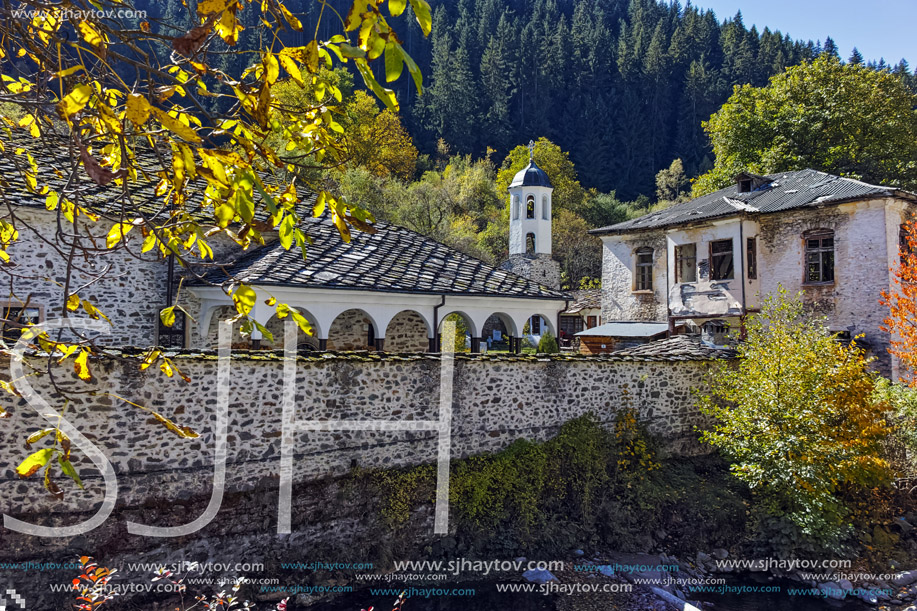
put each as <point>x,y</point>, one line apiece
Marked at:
<point>707,263</point>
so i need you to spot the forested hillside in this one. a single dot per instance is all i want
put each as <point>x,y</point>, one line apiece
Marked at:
<point>623,85</point>
<point>614,92</point>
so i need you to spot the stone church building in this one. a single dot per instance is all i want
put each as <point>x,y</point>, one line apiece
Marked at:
<point>390,290</point>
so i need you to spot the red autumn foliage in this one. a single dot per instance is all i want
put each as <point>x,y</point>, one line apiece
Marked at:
<point>902,304</point>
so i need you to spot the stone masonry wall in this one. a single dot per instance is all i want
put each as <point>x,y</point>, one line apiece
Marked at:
<point>540,268</point>
<point>864,252</point>
<point>129,290</point>
<point>619,299</point>
<point>127,286</point>
<point>496,401</point>
<point>167,481</point>
<point>350,331</point>
<point>407,332</point>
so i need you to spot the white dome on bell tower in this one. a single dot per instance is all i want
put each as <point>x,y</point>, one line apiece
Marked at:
<point>530,210</point>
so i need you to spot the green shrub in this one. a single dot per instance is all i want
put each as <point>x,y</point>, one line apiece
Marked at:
<point>490,490</point>
<point>902,403</point>
<point>585,486</point>
<point>548,343</point>
<point>799,423</point>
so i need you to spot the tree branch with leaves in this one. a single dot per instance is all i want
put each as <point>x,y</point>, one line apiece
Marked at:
<point>143,143</point>
<point>901,302</point>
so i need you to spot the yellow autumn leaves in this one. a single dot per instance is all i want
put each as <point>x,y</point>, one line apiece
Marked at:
<point>222,163</point>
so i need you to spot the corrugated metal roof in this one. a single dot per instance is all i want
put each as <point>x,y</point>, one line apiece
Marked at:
<point>626,328</point>
<point>786,191</point>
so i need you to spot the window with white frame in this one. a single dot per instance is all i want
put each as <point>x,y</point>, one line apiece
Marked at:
<point>819,262</point>
<point>643,272</point>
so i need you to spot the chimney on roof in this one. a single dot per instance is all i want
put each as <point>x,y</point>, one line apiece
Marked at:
<point>748,182</point>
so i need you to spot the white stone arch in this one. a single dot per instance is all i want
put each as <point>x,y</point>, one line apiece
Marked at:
<point>407,331</point>
<point>472,325</point>
<point>521,319</point>
<point>276,327</point>
<point>220,313</point>
<point>348,331</point>
<point>511,329</point>
<point>547,320</point>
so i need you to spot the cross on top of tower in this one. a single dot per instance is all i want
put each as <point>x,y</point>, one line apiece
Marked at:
<point>531,150</point>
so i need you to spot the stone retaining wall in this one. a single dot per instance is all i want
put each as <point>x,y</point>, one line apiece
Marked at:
<point>496,401</point>
<point>167,481</point>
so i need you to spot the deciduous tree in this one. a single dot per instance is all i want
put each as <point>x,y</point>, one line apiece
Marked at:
<point>377,140</point>
<point>797,419</point>
<point>843,119</point>
<point>579,253</point>
<point>902,304</point>
<point>671,183</point>
<point>141,107</point>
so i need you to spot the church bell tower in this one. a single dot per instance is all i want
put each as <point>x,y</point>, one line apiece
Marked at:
<point>530,225</point>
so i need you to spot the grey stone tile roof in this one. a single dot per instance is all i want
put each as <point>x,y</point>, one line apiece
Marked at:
<point>584,299</point>
<point>52,152</point>
<point>394,259</point>
<point>676,348</point>
<point>786,191</point>
<point>52,155</point>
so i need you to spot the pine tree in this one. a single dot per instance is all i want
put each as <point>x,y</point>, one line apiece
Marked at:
<point>656,69</point>
<point>497,89</point>
<point>856,58</point>
<point>830,49</point>
<point>622,84</point>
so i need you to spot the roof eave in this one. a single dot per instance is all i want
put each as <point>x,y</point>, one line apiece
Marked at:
<point>629,230</point>
<point>256,283</point>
